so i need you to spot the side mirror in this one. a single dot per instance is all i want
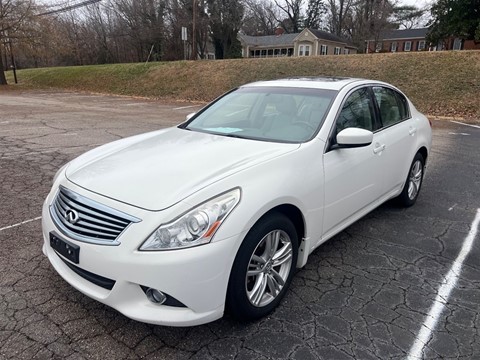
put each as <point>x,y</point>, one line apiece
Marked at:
<point>189,116</point>
<point>354,137</point>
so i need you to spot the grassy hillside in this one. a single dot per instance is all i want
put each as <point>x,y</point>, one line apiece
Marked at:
<point>439,83</point>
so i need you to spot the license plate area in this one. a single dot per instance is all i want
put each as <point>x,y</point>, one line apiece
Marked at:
<point>65,248</point>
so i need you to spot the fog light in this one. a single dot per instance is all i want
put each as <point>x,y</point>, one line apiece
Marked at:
<point>155,296</point>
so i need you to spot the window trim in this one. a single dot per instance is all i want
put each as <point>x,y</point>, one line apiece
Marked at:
<point>393,46</point>
<point>337,50</point>
<point>409,46</point>
<point>322,46</point>
<point>424,43</point>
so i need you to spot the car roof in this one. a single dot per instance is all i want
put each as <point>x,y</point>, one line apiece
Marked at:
<point>327,83</point>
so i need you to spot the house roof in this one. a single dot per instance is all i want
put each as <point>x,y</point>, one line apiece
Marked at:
<point>403,34</point>
<point>269,40</point>
<point>327,36</point>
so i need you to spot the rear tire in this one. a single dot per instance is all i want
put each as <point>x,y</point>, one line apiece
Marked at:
<point>263,268</point>
<point>414,181</point>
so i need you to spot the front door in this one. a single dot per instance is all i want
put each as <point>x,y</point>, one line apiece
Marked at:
<point>353,176</point>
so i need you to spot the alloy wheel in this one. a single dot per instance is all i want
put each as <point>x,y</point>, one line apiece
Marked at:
<point>269,268</point>
<point>415,179</point>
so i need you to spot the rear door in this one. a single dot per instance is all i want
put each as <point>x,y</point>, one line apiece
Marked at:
<point>399,131</point>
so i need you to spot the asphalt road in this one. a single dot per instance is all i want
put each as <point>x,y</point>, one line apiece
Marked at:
<point>379,290</point>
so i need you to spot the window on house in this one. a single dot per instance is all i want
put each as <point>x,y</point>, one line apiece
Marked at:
<point>393,46</point>
<point>421,45</point>
<point>323,49</point>
<point>346,51</point>
<point>407,46</point>
<point>304,50</point>
<point>379,46</point>
<point>337,50</point>
<point>457,44</point>
<point>264,53</point>
<point>270,52</point>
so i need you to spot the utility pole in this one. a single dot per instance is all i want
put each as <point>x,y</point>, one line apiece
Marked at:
<point>194,30</point>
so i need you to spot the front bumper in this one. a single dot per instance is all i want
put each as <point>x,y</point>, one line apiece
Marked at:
<point>197,277</point>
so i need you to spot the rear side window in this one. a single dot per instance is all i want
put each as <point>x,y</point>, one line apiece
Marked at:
<point>392,105</point>
<point>403,105</point>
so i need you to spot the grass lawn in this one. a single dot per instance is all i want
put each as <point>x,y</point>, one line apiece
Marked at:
<point>439,83</point>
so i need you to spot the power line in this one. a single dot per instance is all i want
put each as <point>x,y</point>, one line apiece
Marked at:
<point>70,7</point>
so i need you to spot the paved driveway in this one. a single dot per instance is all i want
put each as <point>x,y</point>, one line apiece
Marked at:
<point>381,289</point>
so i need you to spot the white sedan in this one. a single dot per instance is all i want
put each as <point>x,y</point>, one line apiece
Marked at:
<point>176,226</point>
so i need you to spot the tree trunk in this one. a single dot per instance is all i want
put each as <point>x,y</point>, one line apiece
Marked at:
<point>3,79</point>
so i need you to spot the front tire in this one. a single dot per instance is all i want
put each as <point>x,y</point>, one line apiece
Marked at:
<point>263,268</point>
<point>412,186</point>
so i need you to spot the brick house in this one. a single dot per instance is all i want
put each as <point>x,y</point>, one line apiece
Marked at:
<point>309,42</point>
<point>408,40</point>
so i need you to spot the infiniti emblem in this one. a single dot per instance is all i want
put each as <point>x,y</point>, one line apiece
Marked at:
<point>72,216</point>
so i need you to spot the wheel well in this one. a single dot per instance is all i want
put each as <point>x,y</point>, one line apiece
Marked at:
<point>294,214</point>
<point>424,152</point>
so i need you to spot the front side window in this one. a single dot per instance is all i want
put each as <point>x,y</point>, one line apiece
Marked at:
<point>337,50</point>
<point>357,111</point>
<point>323,49</point>
<point>265,113</point>
<point>421,45</point>
<point>407,46</point>
<point>393,46</point>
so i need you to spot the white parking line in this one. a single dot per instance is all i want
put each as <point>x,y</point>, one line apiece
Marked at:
<point>458,122</point>
<point>30,128</point>
<point>443,294</point>
<point>184,107</point>
<point>454,133</point>
<point>452,207</point>
<point>21,223</point>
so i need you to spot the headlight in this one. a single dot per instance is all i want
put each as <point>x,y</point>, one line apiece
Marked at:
<point>195,227</point>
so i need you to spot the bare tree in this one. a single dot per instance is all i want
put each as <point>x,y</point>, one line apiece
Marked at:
<point>261,17</point>
<point>293,11</point>
<point>339,10</point>
<point>315,11</point>
<point>13,15</point>
<point>409,17</point>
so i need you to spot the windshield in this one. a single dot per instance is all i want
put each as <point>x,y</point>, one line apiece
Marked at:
<point>266,113</point>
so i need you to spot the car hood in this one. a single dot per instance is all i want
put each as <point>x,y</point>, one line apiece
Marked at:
<point>157,170</point>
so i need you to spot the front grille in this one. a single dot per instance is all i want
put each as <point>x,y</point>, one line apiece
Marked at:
<point>86,220</point>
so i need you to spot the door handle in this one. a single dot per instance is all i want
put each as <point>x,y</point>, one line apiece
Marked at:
<point>378,148</point>
<point>412,131</point>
